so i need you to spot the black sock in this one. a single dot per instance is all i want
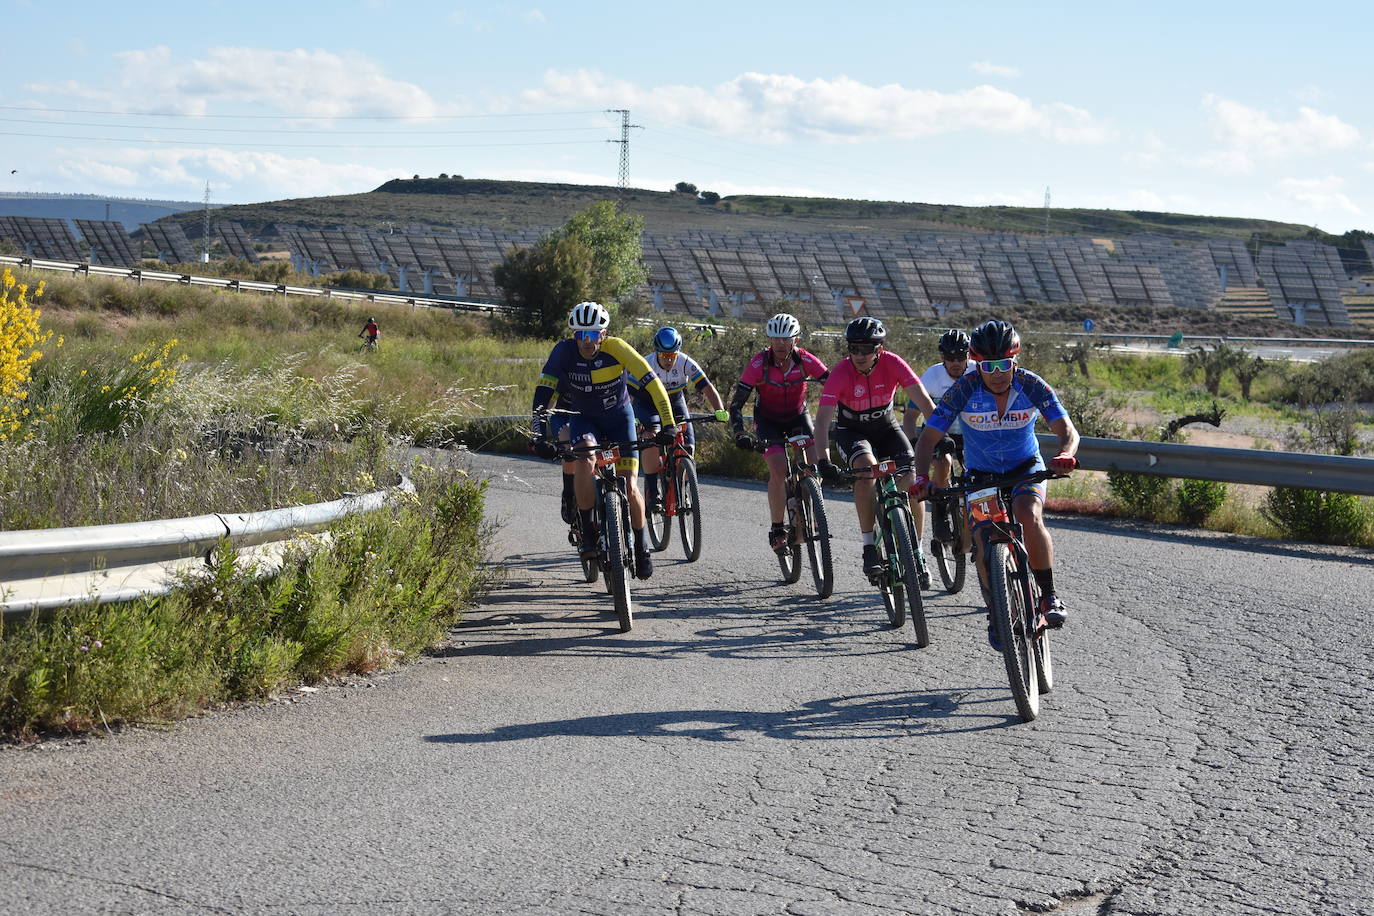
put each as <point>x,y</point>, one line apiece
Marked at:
<point>586,516</point>
<point>641,545</point>
<point>1045,579</point>
<point>568,493</point>
<point>651,485</point>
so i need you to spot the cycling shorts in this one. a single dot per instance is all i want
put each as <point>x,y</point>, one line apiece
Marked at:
<point>648,417</point>
<point>882,441</point>
<point>775,433</point>
<point>609,427</point>
<point>556,423</point>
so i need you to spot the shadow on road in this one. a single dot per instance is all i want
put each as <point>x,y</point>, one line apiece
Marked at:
<point>877,715</point>
<point>1152,531</point>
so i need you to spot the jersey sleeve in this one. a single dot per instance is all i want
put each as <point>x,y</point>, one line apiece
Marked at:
<point>902,371</point>
<point>948,408</point>
<point>753,373</point>
<point>638,368</point>
<point>834,385</point>
<point>815,367</point>
<point>1041,395</point>
<point>692,370</point>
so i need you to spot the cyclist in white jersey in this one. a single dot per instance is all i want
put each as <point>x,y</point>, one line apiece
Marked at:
<point>677,371</point>
<point>938,379</point>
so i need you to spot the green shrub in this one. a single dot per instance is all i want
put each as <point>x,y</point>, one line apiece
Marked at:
<point>1198,499</point>
<point>1316,515</point>
<point>1140,495</point>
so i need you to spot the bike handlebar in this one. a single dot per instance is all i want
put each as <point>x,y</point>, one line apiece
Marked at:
<point>967,484</point>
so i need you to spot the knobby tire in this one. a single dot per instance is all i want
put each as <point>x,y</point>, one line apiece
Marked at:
<point>894,601</point>
<point>1009,617</point>
<point>789,557</point>
<point>689,509</point>
<point>617,573</point>
<point>815,528</point>
<point>949,559</point>
<point>899,521</point>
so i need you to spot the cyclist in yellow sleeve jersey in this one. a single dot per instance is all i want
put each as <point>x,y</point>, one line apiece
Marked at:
<point>588,373</point>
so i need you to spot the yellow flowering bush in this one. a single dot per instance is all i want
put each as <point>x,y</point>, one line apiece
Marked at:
<point>108,399</point>
<point>20,337</point>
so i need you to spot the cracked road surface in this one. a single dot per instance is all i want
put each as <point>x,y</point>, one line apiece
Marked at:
<point>748,749</point>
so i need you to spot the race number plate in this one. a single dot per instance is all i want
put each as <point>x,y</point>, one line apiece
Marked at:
<point>607,456</point>
<point>984,506</point>
<point>885,469</point>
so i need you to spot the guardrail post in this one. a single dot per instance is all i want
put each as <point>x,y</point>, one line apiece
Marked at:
<point>185,279</point>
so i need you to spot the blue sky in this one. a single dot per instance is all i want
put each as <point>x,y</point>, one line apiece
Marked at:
<point>1228,109</point>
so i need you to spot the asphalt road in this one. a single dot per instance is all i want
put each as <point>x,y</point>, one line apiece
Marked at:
<point>747,749</point>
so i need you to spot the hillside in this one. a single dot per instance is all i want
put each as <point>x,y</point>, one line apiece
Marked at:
<point>132,213</point>
<point>514,205</point>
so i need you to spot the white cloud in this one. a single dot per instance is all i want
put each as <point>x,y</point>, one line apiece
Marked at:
<point>534,17</point>
<point>990,69</point>
<point>233,175</point>
<point>778,107</point>
<point>1322,194</point>
<point>320,82</point>
<point>1243,128</point>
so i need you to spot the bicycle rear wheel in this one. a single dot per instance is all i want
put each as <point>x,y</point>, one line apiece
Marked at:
<point>689,509</point>
<point>617,573</point>
<point>1009,617</point>
<point>1044,663</point>
<point>899,521</point>
<point>890,586</point>
<point>814,529</point>
<point>659,524</point>
<point>949,559</point>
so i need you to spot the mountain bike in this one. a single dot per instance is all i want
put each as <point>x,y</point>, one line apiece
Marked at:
<point>951,553</point>
<point>679,496</point>
<point>806,519</point>
<point>899,581</point>
<point>1015,598</point>
<point>611,511</point>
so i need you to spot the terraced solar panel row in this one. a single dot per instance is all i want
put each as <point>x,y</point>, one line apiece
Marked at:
<point>46,238</point>
<point>170,242</point>
<point>108,243</point>
<point>236,241</point>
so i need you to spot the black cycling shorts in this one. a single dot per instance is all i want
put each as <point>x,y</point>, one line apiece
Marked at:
<point>882,441</point>
<point>774,433</point>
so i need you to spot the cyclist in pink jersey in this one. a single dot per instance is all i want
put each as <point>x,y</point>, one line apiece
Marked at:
<point>779,375</point>
<point>858,395</point>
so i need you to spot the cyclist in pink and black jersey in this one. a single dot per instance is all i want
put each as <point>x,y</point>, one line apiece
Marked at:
<point>859,395</point>
<point>779,375</point>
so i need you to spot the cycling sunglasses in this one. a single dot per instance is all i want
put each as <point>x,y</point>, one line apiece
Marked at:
<point>586,335</point>
<point>863,349</point>
<point>996,365</point>
<point>956,357</point>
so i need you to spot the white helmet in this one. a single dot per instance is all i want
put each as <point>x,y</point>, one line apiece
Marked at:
<point>589,316</point>
<point>782,325</point>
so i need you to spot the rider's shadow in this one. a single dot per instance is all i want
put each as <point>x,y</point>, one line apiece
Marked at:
<point>870,716</point>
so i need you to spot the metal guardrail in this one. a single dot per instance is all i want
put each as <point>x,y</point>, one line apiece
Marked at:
<point>248,286</point>
<point>50,568</point>
<point>1231,465</point>
<point>1305,471</point>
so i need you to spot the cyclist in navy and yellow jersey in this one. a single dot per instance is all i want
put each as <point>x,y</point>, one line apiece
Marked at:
<point>588,374</point>
<point>678,372</point>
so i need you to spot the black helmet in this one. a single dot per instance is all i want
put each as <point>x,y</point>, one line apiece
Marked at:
<point>954,342</point>
<point>865,330</point>
<point>994,340</point>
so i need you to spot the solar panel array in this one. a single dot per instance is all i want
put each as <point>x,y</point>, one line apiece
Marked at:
<point>170,241</point>
<point>109,245</point>
<point>236,241</point>
<point>46,238</point>
<point>916,275</point>
<point>1305,279</point>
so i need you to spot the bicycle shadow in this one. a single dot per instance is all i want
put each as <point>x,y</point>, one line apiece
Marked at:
<point>868,716</point>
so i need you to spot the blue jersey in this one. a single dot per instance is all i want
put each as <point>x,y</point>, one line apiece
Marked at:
<point>992,441</point>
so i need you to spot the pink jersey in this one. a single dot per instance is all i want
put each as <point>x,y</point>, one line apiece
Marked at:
<point>867,398</point>
<point>781,390</point>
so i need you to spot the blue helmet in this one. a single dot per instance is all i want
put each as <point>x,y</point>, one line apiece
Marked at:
<point>667,340</point>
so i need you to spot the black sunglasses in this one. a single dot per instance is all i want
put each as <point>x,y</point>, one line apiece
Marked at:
<point>863,349</point>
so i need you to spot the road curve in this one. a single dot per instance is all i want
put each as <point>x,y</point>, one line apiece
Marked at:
<point>747,749</point>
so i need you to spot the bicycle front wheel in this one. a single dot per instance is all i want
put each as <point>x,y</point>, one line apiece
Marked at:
<point>617,572</point>
<point>789,556</point>
<point>659,524</point>
<point>814,529</point>
<point>890,586</point>
<point>903,535</point>
<point>689,509</point>
<point>1009,618</point>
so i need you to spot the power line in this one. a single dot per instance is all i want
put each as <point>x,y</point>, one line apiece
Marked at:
<point>298,117</point>
<point>257,130</point>
<point>274,145</point>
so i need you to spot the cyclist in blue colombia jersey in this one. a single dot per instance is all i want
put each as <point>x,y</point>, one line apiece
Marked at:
<point>998,405</point>
<point>587,373</point>
<point>677,371</point>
